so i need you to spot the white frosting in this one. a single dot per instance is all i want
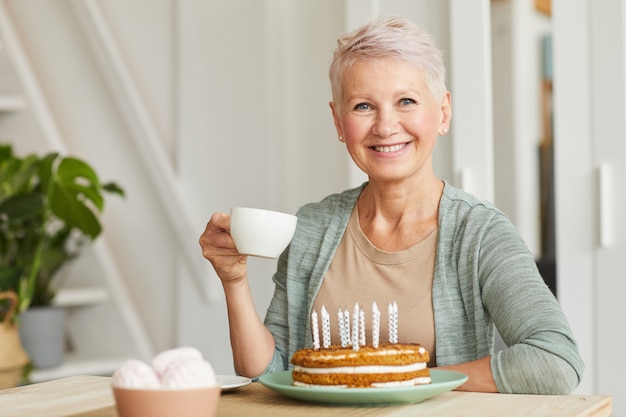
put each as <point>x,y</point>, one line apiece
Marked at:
<point>417,381</point>
<point>302,384</point>
<point>367,369</point>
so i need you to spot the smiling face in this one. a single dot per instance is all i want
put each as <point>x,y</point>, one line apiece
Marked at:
<point>389,119</point>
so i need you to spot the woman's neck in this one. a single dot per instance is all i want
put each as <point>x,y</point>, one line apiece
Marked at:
<point>397,200</point>
<point>395,217</point>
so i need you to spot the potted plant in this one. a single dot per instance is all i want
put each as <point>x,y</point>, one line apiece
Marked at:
<point>49,211</point>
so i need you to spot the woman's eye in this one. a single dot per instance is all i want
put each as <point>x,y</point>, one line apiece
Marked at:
<point>362,106</point>
<point>407,101</point>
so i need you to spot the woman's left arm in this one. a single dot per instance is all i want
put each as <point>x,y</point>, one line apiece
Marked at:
<point>541,355</point>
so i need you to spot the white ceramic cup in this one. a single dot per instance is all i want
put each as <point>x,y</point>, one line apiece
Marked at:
<point>262,233</point>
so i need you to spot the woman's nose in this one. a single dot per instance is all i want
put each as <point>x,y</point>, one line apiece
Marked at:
<point>386,123</point>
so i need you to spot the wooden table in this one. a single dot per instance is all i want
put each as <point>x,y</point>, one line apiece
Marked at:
<point>90,396</point>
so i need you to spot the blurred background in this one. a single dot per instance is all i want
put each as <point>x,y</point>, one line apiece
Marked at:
<point>198,106</point>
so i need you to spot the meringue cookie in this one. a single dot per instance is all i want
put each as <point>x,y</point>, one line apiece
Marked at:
<point>134,373</point>
<point>162,361</point>
<point>183,367</point>
<point>188,373</point>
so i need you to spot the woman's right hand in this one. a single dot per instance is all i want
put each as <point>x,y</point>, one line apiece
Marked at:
<point>219,248</point>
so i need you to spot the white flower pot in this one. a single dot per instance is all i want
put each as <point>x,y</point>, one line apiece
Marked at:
<point>42,331</point>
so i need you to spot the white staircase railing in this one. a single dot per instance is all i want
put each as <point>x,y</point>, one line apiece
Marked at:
<point>168,185</point>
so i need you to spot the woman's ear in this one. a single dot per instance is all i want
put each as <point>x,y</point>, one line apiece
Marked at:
<point>446,113</point>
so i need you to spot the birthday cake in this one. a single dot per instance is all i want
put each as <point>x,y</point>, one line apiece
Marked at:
<point>388,365</point>
<point>355,364</point>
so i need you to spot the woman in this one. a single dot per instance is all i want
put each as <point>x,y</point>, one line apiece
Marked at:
<point>454,265</point>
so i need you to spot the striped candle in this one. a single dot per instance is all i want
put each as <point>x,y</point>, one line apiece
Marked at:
<point>375,325</point>
<point>316,331</point>
<point>325,328</point>
<point>355,328</point>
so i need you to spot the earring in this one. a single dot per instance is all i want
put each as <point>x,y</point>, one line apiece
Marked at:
<point>340,138</point>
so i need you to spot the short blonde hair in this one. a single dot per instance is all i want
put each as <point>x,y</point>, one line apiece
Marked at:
<point>389,37</point>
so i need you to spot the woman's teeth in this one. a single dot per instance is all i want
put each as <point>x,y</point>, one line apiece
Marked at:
<point>386,149</point>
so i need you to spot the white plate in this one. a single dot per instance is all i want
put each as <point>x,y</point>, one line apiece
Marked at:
<point>228,382</point>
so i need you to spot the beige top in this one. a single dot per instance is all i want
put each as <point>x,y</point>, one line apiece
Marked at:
<point>360,272</point>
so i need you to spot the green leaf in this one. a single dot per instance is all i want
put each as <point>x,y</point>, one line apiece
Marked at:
<point>66,205</point>
<point>113,188</point>
<point>6,152</point>
<point>18,176</point>
<point>23,207</point>
<point>45,169</point>
<point>81,179</point>
<point>8,168</point>
<point>52,259</point>
<point>9,277</point>
<point>75,194</point>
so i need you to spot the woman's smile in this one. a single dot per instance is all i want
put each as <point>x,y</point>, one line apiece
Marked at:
<point>390,148</point>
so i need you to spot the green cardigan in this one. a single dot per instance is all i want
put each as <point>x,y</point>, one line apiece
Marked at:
<point>484,276</point>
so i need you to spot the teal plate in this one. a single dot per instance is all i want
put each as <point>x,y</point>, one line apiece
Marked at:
<point>442,381</point>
